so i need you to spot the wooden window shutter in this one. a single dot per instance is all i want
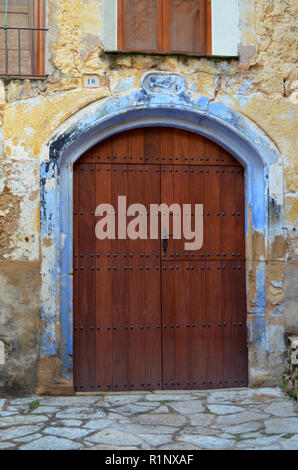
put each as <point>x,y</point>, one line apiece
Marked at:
<point>22,44</point>
<point>168,26</point>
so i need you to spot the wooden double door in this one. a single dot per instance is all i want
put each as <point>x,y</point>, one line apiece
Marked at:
<point>146,316</point>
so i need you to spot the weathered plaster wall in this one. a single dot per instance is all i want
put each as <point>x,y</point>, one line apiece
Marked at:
<point>261,86</point>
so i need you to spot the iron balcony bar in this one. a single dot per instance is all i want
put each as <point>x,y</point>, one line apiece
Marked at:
<point>7,73</point>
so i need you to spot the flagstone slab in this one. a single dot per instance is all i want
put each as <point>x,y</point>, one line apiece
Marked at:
<point>281,408</point>
<point>245,427</point>
<point>178,446</point>
<point>45,410</point>
<point>239,418</point>
<point>161,409</point>
<point>128,410</point>
<point>290,444</point>
<point>156,439</point>
<point>98,424</point>
<point>201,430</point>
<point>31,437</point>
<point>280,425</point>
<point>69,433</point>
<point>201,419</point>
<point>259,442</point>
<point>224,409</point>
<point>12,433</point>
<point>188,407</point>
<point>115,437</point>
<point>75,401</point>
<point>162,419</point>
<point>106,447</point>
<point>71,422</point>
<point>51,443</point>
<point>244,396</point>
<point>122,399</point>
<point>19,419</point>
<point>146,429</point>
<point>162,397</point>
<point>81,413</point>
<point>207,442</point>
<point>24,401</point>
<point>6,445</point>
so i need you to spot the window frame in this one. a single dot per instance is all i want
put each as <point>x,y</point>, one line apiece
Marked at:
<point>38,26</point>
<point>39,37</point>
<point>163,28</point>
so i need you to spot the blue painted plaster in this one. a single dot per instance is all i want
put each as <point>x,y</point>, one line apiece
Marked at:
<point>260,298</point>
<point>172,106</point>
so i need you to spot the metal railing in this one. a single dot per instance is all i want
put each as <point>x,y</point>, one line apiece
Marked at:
<point>23,52</point>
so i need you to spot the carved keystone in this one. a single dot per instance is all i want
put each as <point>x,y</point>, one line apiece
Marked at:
<point>163,82</point>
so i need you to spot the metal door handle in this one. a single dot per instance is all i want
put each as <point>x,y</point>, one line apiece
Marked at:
<point>165,245</point>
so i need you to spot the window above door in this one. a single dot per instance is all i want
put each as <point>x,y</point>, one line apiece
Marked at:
<point>194,27</point>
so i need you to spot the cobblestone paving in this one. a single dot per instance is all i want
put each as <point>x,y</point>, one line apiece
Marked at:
<point>224,419</point>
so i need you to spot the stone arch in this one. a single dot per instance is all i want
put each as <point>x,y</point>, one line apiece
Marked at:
<point>163,100</point>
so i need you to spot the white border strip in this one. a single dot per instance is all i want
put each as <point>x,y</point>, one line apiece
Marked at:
<point>109,25</point>
<point>225,27</point>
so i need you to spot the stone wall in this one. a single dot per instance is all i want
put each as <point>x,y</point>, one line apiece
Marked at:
<point>261,85</point>
<point>291,376</point>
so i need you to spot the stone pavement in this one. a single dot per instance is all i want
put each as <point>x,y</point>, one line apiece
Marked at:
<point>221,419</point>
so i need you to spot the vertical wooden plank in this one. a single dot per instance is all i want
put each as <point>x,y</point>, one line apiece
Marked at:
<point>86,279</point>
<point>203,27</point>
<point>137,346</point>
<point>167,197</point>
<point>166,146</point>
<point>229,318</point>
<point>36,51</point>
<point>76,267</point>
<point>197,325</point>
<point>197,196</point>
<point>240,213</point>
<point>168,333</point>
<point>160,25</point>
<point>182,318</point>
<point>241,366</point>
<point>152,323</point>
<point>213,336</point>
<point>196,149</point>
<point>119,147</point>
<point>181,196</point>
<point>152,145</point>
<point>212,153</point>
<point>212,213</point>
<point>135,146</point>
<point>228,217</point>
<point>119,273</point>
<point>209,27</point>
<point>103,293</point>
<point>120,315</point>
<point>181,146</point>
<point>166,31</point>
<point>121,24</point>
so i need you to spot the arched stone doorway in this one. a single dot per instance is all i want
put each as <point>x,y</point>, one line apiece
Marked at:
<point>157,103</point>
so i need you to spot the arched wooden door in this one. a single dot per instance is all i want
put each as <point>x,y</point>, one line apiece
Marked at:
<point>146,319</point>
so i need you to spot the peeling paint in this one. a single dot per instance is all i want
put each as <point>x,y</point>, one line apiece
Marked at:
<point>247,106</point>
